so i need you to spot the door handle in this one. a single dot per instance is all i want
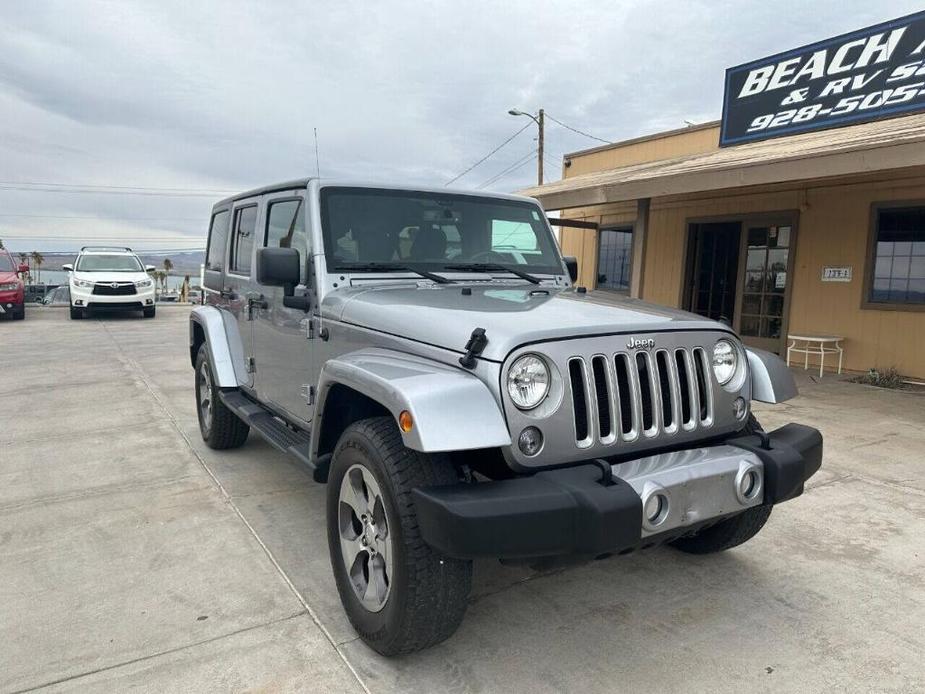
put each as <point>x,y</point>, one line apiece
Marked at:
<point>257,302</point>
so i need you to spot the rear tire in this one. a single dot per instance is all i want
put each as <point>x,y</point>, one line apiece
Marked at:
<point>220,427</point>
<point>149,311</point>
<point>727,533</point>
<point>425,596</point>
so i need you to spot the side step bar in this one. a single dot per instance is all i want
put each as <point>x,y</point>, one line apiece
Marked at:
<point>279,435</point>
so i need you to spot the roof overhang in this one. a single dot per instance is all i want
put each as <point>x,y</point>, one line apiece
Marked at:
<point>870,147</point>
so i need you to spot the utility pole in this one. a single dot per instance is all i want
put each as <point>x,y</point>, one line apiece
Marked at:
<point>539,119</point>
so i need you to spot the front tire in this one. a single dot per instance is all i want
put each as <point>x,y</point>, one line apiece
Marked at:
<point>76,313</point>
<point>20,314</point>
<point>220,427</point>
<point>149,311</point>
<point>399,594</point>
<point>726,534</point>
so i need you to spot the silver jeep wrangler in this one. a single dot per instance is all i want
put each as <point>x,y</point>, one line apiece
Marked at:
<point>426,354</point>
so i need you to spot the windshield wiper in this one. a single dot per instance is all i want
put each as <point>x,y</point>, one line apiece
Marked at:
<point>389,267</point>
<point>494,267</point>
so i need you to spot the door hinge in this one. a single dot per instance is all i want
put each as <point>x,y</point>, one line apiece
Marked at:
<point>251,365</point>
<point>308,392</point>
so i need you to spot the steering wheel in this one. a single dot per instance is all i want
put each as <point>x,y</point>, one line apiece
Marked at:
<point>487,256</point>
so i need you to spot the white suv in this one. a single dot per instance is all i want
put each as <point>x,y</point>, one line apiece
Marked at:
<point>110,278</point>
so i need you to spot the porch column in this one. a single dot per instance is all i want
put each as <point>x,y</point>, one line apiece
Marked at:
<point>637,270</point>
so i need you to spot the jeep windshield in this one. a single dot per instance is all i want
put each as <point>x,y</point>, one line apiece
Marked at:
<point>108,263</point>
<point>370,229</point>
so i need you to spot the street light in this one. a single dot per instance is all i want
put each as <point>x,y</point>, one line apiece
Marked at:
<point>538,119</point>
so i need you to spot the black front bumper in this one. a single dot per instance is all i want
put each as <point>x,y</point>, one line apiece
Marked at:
<point>572,511</point>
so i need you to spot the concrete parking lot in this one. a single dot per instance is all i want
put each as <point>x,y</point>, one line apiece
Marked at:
<point>132,556</point>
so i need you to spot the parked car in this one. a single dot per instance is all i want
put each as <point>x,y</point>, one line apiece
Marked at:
<point>110,279</point>
<point>57,296</point>
<point>426,353</point>
<point>12,296</point>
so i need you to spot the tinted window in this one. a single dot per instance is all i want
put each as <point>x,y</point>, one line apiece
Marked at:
<point>432,230</point>
<point>218,235</point>
<point>285,225</point>
<point>242,239</point>
<point>899,256</point>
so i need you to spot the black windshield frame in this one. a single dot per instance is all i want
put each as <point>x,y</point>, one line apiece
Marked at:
<point>547,256</point>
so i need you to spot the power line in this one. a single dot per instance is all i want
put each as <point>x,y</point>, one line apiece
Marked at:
<point>107,185</point>
<point>510,169</point>
<point>576,130</point>
<point>457,177</point>
<point>110,192</point>
<point>99,218</point>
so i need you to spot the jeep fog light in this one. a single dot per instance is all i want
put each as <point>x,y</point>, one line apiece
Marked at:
<point>530,441</point>
<point>739,408</point>
<point>528,381</point>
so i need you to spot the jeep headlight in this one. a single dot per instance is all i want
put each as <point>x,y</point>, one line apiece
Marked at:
<point>81,283</point>
<point>144,283</point>
<point>528,381</point>
<point>725,361</point>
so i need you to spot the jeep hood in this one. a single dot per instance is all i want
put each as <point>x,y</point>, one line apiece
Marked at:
<point>512,314</point>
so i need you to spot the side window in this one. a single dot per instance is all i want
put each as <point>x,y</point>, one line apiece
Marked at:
<point>285,225</point>
<point>242,239</point>
<point>218,235</point>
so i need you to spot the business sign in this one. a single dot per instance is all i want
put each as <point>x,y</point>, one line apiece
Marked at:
<point>872,73</point>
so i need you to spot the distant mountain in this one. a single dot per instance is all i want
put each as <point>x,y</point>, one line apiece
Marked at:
<point>184,262</point>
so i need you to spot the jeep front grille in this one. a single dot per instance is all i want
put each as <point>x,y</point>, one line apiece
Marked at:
<point>639,394</point>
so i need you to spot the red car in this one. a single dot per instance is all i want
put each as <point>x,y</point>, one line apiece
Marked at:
<point>12,296</point>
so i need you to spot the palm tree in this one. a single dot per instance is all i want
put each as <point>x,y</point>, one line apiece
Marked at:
<point>168,266</point>
<point>38,259</point>
<point>1,243</point>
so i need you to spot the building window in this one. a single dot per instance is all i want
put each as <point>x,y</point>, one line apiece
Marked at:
<point>898,256</point>
<point>614,259</point>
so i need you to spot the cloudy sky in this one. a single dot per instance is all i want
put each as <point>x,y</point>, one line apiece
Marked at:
<point>170,104</point>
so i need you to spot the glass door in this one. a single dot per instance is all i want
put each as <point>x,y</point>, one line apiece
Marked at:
<point>765,287</point>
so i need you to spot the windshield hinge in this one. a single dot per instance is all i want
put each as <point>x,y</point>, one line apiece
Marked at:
<point>474,347</point>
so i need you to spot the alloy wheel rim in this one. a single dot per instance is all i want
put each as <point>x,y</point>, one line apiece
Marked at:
<point>205,395</point>
<point>365,540</point>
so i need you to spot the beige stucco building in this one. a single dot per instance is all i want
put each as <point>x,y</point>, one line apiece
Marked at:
<point>820,233</point>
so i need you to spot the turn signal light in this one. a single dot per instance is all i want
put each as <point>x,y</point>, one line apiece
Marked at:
<point>405,421</point>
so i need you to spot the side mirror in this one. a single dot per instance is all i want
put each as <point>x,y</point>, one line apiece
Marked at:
<point>67,267</point>
<point>571,264</point>
<point>150,268</point>
<point>278,267</point>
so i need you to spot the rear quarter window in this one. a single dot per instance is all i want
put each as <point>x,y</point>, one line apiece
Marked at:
<point>218,239</point>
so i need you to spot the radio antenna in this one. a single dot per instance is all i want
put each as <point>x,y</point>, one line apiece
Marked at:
<point>317,164</point>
